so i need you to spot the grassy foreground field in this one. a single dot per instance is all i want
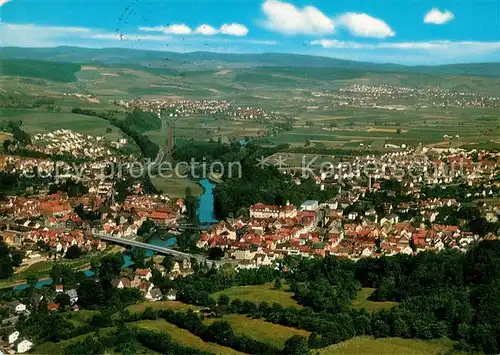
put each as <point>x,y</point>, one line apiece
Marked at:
<point>362,301</point>
<point>174,305</point>
<point>260,293</point>
<point>182,336</point>
<point>81,317</point>
<point>58,348</point>
<point>259,329</point>
<point>387,346</point>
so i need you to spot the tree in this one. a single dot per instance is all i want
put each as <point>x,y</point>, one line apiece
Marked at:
<point>73,252</point>
<point>32,280</point>
<point>62,275</point>
<point>168,262</point>
<point>6,269</point>
<point>277,284</point>
<point>148,226</point>
<point>63,300</point>
<point>296,345</point>
<point>187,240</point>
<point>191,202</point>
<point>219,332</point>
<point>139,256</point>
<point>6,144</point>
<point>215,253</point>
<point>223,300</point>
<point>110,267</point>
<point>17,258</point>
<point>90,294</point>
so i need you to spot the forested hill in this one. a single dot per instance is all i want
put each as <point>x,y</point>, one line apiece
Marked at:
<point>209,60</point>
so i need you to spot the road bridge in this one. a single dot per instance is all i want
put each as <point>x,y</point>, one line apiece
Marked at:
<point>157,248</point>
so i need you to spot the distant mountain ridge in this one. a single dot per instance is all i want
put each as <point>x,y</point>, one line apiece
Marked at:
<point>210,60</point>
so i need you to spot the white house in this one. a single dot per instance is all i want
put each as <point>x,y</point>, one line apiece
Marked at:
<point>144,274</point>
<point>352,215</point>
<point>73,295</point>
<point>171,295</point>
<point>309,205</point>
<point>153,294</point>
<point>24,346</point>
<point>17,306</point>
<point>12,337</point>
<point>366,252</point>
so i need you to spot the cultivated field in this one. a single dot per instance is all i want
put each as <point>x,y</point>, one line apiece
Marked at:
<point>362,301</point>
<point>58,348</point>
<point>260,293</point>
<point>276,89</point>
<point>174,305</point>
<point>259,329</point>
<point>176,186</point>
<point>388,346</point>
<point>184,337</point>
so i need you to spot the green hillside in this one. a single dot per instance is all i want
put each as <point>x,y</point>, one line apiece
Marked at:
<point>55,71</point>
<point>209,60</point>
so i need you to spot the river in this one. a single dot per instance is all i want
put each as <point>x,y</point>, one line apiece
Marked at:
<point>205,215</point>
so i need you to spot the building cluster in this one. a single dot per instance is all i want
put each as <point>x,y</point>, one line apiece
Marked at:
<point>23,165</point>
<point>251,113</point>
<point>140,279</point>
<point>176,108</point>
<point>11,340</point>
<point>398,97</point>
<point>78,145</point>
<point>76,94</point>
<point>124,220</point>
<point>99,176</point>
<point>53,217</point>
<point>348,225</point>
<point>414,168</point>
<point>272,232</point>
<point>186,108</point>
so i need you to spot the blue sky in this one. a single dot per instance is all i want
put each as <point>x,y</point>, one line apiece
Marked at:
<point>400,31</point>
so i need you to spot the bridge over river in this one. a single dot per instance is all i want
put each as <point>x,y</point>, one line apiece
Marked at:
<point>157,248</point>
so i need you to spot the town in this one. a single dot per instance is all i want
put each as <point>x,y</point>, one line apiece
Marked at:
<point>398,97</point>
<point>401,202</point>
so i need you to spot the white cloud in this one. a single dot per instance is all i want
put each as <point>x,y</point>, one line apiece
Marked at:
<point>176,29</point>
<point>333,43</point>
<point>206,30</point>
<point>442,46</point>
<point>264,42</point>
<point>285,18</point>
<point>127,37</point>
<point>31,35</point>
<point>45,29</point>
<point>3,2</point>
<point>364,25</point>
<point>234,29</point>
<point>437,17</point>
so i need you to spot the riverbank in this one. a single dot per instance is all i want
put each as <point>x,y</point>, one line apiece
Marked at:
<point>42,269</point>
